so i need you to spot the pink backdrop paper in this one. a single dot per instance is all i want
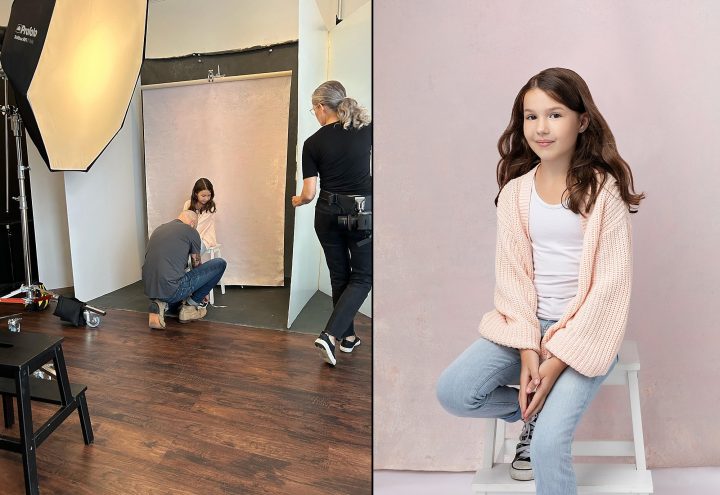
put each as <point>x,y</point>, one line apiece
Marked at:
<point>445,76</point>
<point>235,134</point>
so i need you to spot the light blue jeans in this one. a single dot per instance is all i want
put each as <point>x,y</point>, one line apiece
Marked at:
<point>476,385</point>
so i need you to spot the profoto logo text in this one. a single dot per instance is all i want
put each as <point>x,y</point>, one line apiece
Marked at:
<point>26,31</point>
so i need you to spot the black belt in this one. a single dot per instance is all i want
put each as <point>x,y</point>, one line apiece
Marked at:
<point>332,198</point>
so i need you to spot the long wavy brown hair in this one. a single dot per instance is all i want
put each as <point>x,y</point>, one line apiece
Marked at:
<point>202,184</point>
<point>595,156</point>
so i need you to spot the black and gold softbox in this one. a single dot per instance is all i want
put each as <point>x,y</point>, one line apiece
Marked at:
<point>73,65</point>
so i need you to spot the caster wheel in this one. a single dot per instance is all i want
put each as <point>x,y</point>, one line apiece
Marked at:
<point>91,319</point>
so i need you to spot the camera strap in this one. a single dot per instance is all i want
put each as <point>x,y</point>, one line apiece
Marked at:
<point>367,240</point>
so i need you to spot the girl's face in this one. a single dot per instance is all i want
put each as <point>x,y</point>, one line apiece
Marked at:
<point>204,196</point>
<point>550,128</point>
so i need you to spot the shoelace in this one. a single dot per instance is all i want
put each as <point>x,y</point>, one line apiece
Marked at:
<point>522,450</point>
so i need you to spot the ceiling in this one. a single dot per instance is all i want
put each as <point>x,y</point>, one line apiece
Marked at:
<point>328,9</point>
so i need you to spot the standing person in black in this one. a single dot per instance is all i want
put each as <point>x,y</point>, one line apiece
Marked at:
<point>339,153</point>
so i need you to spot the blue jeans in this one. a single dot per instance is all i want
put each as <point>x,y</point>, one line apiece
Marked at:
<point>197,283</point>
<point>476,385</point>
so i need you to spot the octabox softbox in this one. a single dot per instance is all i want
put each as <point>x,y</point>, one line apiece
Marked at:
<point>73,65</point>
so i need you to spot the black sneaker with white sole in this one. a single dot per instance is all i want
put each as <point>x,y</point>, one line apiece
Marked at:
<point>348,345</point>
<point>521,468</point>
<point>327,349</point>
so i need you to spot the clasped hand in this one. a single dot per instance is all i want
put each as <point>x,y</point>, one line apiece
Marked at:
<point>536,381</point>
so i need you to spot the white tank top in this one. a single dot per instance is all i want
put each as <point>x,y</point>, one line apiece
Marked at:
<point>557,240</point>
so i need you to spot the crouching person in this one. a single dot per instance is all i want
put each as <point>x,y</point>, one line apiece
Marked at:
<point>170,287</point>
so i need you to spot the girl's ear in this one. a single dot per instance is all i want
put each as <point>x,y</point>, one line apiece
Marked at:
<point>584,122</point>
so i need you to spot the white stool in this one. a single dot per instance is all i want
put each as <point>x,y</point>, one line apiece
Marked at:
<point>214,252</point>
<point>493,477</point>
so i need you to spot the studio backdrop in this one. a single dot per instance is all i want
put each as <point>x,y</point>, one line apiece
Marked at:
<point>234,132</point>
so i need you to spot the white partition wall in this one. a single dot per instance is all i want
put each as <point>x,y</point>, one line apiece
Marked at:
<point>233,132</point>
<point>106,214</point>
<point>350,54</point>
<point>350,62</point>
<point>50,222</point>
<point>312,69</point>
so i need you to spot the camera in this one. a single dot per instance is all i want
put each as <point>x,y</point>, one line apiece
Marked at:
<point>356,221</point>
<point>361,218</point>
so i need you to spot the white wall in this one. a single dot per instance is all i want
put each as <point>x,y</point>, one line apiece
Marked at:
<point>350,62</point>
<point>182,27</point>
<point>106,213</point>
<point>312,71</point>
<point>52,241</point>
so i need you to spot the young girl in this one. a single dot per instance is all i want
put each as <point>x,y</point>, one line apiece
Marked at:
<point>202,202</point>
<point>563,273</point>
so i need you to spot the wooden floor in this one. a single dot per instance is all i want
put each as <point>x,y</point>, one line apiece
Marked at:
<point>203,408</point>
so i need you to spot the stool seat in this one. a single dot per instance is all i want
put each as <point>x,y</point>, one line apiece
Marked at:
<point>493,477</point>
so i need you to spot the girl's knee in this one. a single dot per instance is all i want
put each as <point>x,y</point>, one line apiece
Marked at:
<point>454,397</point>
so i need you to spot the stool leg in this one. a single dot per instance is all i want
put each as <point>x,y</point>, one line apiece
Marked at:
<point>61,376</point>
<point>222,285</point>
<point>212,291</point>
<point>489,447</point>
<point>634,390</point>
<point>499,441</point>
<point>27,440</point>
<point>85,419</point>
<point>8,412</point>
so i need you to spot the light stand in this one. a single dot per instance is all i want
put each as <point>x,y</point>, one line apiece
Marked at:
<point>35,295</point>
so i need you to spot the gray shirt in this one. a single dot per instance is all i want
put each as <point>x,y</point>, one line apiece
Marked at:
<point>166,258</point>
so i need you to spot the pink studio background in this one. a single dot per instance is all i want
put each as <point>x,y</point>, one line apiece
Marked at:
<point>445,76</point>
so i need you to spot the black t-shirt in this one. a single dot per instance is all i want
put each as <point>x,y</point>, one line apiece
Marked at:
<point>341,157</point>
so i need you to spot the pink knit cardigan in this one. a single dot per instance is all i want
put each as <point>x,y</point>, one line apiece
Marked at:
<point>588,336</point>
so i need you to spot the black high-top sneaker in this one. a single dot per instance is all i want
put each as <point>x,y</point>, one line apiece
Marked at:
<point>521,468</point>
